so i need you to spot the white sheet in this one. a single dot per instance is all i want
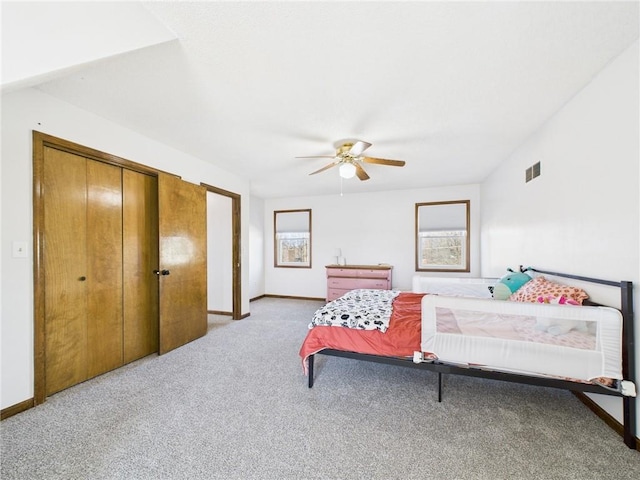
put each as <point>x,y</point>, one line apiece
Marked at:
<point>470,344</point>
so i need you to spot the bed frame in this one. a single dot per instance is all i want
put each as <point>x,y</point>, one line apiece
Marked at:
<point>628,360</point>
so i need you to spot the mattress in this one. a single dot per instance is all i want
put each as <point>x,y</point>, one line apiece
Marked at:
<point>401,339</point>
<point>515,336</point>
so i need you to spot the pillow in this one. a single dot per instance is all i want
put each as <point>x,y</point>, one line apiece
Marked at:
<point>509,284</point>
<point>561,300</point>
<point>541,287</point>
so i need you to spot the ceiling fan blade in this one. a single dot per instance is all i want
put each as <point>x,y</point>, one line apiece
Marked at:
<point>359,147</point>
<point>319,156</point>
<point>362,175</point>
<point>326,167</point>
<point>383,161</point>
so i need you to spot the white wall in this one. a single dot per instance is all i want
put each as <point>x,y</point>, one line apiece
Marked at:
<point>219,253</point>
<point>369,229</point>
<point>582,214</point>
<point>256,248</point>
<point>27,110</point>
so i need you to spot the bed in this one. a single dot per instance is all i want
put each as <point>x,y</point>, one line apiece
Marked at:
<point>443,328</point>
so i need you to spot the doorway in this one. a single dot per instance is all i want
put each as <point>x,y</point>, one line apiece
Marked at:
<point>223,243</point>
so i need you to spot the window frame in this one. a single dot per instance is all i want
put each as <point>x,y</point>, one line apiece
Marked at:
<point>299,233</point>
<point>422,233</point>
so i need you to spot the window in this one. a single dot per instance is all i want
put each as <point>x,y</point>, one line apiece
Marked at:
<point>442,249</point>
<point>292,238</point>
<point>442,236</point>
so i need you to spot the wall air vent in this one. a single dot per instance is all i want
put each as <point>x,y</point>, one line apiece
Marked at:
<point>532,172</point>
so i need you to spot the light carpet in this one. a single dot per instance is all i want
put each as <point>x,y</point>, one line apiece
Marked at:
<point>235,405</point>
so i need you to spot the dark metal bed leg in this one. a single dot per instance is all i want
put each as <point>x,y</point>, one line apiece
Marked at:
<point>629,421</point>
<point>311,357</point>
<point>439,387</point>
<point>628,362</point>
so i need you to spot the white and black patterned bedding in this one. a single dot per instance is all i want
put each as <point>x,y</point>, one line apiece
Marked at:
<point>362,309</point>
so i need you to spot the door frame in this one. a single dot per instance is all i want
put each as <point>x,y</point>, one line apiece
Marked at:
<point>40,141</point>
<point>236,268</point>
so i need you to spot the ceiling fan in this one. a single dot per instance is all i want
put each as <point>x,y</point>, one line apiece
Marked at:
<point>349,159</point>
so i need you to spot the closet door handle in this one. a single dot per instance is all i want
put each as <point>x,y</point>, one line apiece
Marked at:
<point>165,272</point>
<point>157,272</point>
<point>82,279</point>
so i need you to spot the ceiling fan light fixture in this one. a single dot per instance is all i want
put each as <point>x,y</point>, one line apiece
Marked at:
<point>347,170</point>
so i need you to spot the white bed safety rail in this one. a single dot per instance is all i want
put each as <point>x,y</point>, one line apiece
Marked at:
<point>514,336</point>
<point>458,286</point>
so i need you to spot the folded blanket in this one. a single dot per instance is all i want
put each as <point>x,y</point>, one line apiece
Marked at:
<point>362,309</point>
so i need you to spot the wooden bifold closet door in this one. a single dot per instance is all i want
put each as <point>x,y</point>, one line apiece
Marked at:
<point>140,259</point>
<point>120,269</point>
<point>82,268</point>
<point>100,250</point>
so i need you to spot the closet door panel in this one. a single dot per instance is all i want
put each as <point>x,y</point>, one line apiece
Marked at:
<point>65,269</point>
<point>183,261</point>
<point>104,267</point>
<point>140,250</point>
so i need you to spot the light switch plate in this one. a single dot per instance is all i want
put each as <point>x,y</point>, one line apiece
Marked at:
<point>19,249</point>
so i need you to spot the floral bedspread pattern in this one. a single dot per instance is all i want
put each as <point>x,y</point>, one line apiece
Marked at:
<point>361,309</point>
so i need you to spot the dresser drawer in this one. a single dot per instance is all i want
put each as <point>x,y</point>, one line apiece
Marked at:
<point>353,283</point>
<point>333,293</point>
<point>341,272</point>
<point>373,273</point>
<point>359,272</point>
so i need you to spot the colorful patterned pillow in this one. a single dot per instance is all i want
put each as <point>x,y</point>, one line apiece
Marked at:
<point>541,287</point>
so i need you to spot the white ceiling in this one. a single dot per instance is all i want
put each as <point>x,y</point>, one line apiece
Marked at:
<point>452,88</point>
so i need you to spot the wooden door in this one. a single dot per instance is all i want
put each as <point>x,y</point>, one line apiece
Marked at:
<point>183,262</point>
<point>82,268</point>
<point>65,269</point>
<point>140,250</point>
<point>104,267</point>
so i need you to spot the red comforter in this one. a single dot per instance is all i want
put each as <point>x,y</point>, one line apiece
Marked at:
<point>401,339</point>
